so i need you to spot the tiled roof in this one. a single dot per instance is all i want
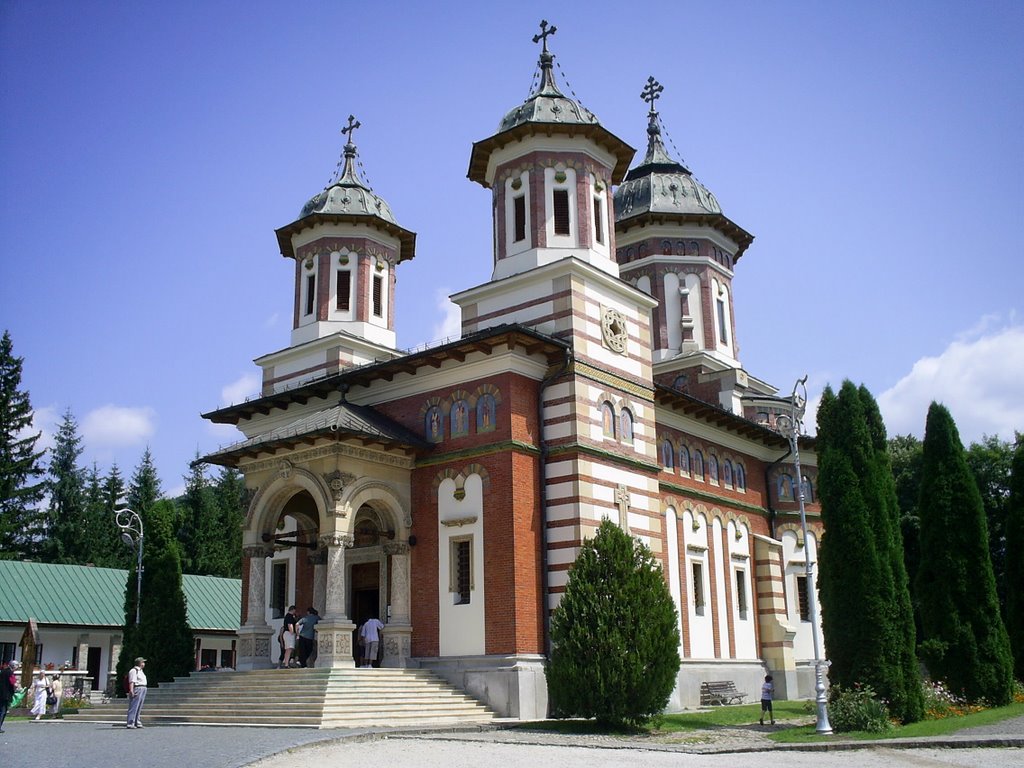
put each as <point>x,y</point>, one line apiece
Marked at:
<point>80,595</point>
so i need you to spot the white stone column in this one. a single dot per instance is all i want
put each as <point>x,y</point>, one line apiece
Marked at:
<point>319,561</point>
<point>334,632</point>
<point>254,636</point>
<point>398,632</point>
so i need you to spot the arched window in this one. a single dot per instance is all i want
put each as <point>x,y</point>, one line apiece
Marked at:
<point>433,425</point>
<point>684,459</point>
<point>808,489</point>
<point>698,465</point>
<point>486,411</point>
<point>741,478</point>
<point>666,247</point>
<point>785,487</point>
<point>713,468</point>
<point>667,455</point>
<point>460,418</point>
<point>608,419</point>
<point>727,473</point>
<point>626,421</point>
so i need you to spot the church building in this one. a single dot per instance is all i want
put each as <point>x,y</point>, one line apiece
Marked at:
<point>598,375</point>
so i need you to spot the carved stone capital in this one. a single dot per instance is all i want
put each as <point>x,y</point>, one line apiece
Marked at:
<point>318,556</point>
<point>395,548</point>
<point>336,540</point>
<point>258,550</point>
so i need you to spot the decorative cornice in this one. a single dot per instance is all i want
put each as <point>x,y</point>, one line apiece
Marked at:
<point>471,453</point>
<point>689,492</point>
<point>335,449</point>
<point>609,379</point>
<point>459,521</point>
<point>344,540</point>
<point>696,548</point>
<point>608,456</point>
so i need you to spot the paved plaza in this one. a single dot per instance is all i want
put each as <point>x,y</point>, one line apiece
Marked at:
<point>58,744</point>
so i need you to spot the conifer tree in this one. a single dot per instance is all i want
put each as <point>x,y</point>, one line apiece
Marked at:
<point>101,535</point>
<point>990,461</point>
<point>66,487</point>
<point>964,640</point>
<point>144,489</point>
<point>21,489</point>
<point>113,500</point>
<point>1015,560</point>
<point>232,503</point>
<point>905,453</point>
<point>203,545</point>
<point>902,684</point>
<point>867,618</point>
<point>163,636</point>
<point>615,635</point>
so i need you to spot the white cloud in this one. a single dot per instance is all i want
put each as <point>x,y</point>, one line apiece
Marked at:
<point>44,423</point>
<point>977,377</point>
<point>245,385</point>
<point>450,325</point>
<point>271,322</point>
<point>112,426</point>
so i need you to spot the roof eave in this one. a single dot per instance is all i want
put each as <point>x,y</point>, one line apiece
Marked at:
<point>719,221</point>
<point>407,239</point>
<point>482,150</point>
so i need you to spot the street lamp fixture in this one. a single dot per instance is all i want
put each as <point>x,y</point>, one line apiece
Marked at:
<point>789,426</point>
<point>132,535</point>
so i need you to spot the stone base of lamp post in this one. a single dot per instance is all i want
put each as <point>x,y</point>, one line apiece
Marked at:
<point>254,648</point>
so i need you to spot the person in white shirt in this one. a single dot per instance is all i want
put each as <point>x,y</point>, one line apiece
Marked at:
<point>136,692</point>
<point>767,692</point>
<point>370,635</point>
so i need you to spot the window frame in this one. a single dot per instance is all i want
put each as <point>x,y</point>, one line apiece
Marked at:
<point>461,590</point>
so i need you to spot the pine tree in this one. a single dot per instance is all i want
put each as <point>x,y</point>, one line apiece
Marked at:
<point>163,635</point>
<point>20,490</point>
<point>867,618</point>
<point>101,536</point>
<point>1015,559</point>
<point>66,486</point>
<point>202,541</point>
<point>113,500</point>
<point>232,504</point>
<point>615,635</point>
<point>144,489</point>
<point>964,640</point>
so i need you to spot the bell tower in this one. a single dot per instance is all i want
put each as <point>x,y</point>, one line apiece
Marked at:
<point>674,243</point>
<point>346,245</point>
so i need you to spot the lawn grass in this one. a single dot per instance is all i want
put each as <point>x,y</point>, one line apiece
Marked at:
<point>944,727</point>
<point>716,717</point>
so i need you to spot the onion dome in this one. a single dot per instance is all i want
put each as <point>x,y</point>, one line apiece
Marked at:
<point>347,197</point>
<point>661,189</point>
<point>547,110</point>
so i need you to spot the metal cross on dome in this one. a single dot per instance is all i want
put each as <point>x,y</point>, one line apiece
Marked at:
<point>544,33</point>
<point>351,128</point>
<point>652,91</point>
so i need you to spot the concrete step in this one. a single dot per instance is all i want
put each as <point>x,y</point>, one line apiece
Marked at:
<point>303,698</point>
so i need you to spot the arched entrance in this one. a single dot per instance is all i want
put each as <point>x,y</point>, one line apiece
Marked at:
<point>368,575</point>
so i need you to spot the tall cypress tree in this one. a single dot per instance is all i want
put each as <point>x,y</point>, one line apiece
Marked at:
<point>902,684</point>
<point>163,636</point>
<point>964,639</point>
<point>615,634</point>
<point>867,618</point>
<point>20,488</point>
<point>66,486</point>
<point>1015,559</point>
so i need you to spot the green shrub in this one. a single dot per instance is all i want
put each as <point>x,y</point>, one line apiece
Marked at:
<point>857,709</point>
<point>615,634</point>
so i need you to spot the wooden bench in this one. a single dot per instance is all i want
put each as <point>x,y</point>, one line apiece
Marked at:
<point>720,692</point>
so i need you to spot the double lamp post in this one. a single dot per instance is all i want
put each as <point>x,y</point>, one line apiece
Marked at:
<point>132,534</point>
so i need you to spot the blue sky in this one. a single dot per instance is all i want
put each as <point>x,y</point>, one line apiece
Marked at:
<point>149,150</point>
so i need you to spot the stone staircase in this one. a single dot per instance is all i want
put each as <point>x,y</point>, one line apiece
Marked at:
<point>302,698</point>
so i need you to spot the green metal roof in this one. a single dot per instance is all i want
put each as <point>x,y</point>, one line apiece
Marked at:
<point>85,596</point>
